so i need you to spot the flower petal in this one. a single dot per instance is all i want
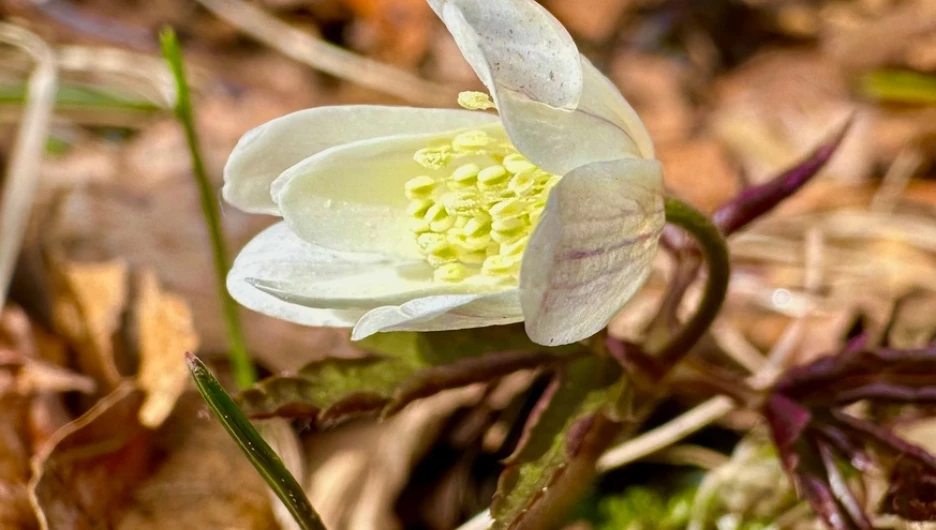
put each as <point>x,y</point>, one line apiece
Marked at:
<point>592,249</point>
<point>275,252</point>
<point>281,275</point>
<point>266,151</point>
<point>516,46</point>
<point>603,127</point>
<point>559,110</point>
<point>351,197</point>
<point>442,312</point>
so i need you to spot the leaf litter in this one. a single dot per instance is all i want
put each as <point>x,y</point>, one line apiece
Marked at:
<point>100,384</point>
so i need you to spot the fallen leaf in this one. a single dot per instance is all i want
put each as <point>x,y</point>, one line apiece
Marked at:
<point>198,479</point>
<point>83,475</point>
<point>165,333</point>
<point>29,410</point>
<point>88,309</point>
<point>15,443</point>
<point>772,111</point>
<point>358,470</point>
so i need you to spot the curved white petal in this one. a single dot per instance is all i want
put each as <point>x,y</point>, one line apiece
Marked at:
<point>592,249</point>
<point>281,275</point>
<point>351,197</point>
<point>559,110</point>
<point>266,151</point>
<point>516,46</point>
<point>442,312</point>
<point>255,299</point>
<point>603,127</point>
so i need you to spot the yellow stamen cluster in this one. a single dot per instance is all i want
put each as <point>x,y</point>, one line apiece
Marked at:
<point>479,217</point>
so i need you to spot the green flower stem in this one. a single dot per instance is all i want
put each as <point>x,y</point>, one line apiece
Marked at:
<point>244,371</point>
<point>715,250</point>
<point>263,458</point>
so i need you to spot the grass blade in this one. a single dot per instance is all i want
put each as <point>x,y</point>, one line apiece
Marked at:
<point>253,445</point>
<point>244,371</point>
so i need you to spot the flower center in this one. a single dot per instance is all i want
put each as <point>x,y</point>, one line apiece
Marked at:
<point>477,219</point>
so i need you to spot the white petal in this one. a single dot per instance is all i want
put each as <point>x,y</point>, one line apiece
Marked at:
<point>281,275</point>
<point>351,197</point>
<point>592,249</point>
<point>516,46</point>
<point>603,127</point>
<point>442,312</point>
<point>266,151</point>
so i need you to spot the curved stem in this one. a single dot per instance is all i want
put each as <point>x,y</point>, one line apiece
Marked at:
<point>715,250</point>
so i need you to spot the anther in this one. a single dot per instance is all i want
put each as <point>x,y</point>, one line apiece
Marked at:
<point>471,141</point>
<point>492,176</point>
<point>433,157</point>
<point>475,101</point>
<point>450,272</point>
<point>419,207</point>
<point>419,187</point>
<point>516,163</point>
<point>465,175</point>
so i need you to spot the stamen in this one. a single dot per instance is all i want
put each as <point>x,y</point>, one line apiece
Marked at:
<point>419,187</point>
<point>475,101</point>
<point>478,219</point>
<point>471,141</point>
<point>433,157</point>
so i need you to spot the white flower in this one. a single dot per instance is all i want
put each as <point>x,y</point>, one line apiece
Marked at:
<point>431,219</point>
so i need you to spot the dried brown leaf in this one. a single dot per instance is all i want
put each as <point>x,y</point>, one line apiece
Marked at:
<point>83,474</point>
<point>15,447</point>
<point>29,411</point>
<point>88,309</point>
<point>199,480</point>
<point>358,470</point>
<point>166,333</point>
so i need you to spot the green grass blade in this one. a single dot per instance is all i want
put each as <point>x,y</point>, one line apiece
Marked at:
<point>253,445</point>
<point>244,372</point>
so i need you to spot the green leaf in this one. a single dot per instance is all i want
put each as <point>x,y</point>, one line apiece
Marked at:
<point>566,433</point>
<point>253,445</point>
<point>397,369</point>
<point>82,96</point>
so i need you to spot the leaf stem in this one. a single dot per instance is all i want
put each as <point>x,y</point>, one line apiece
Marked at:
<point>244,371</point>
<point>263,458</point>
<point>715,250</point>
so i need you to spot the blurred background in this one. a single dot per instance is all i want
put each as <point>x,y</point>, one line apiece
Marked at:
<point>116,269</point>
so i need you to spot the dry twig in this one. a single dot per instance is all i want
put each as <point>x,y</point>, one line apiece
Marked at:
<point>329,58</point>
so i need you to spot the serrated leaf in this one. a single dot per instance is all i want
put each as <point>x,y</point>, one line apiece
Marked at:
<point>397,369</point>
<point>557,455</point>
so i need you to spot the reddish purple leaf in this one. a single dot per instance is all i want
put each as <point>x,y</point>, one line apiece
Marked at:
<point>911,493</point>
<point>757,201</point>
<point>812,432</point>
